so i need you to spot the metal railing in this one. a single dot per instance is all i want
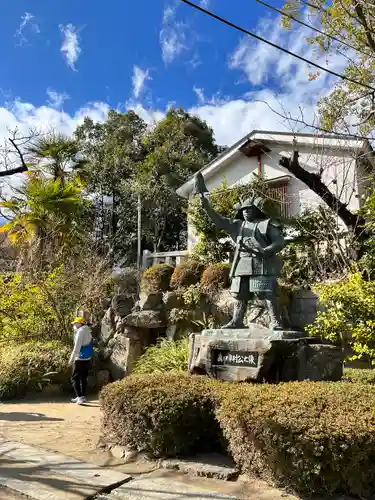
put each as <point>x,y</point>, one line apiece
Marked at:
<point>173,258</point>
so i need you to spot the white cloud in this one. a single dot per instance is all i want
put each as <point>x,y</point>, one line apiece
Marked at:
<point>56,99</point>
<point>172,41</point>
<point>70,45</point>
<point>27,24</point>
<point>139,80</point>
<point>262,64</point>
<point>199,92</point>
<point>172,36</point>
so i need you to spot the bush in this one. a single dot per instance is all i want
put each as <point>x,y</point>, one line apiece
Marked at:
<point>349,319</point>
<point>165,356</point>
<point>312,437</point>
<point>360,375</point>
<point>30,366</point>
<point>162,415</point>
<point>187,273</point>
<point>216,277</point>
<point>157,278</point>
<point>309,437</point>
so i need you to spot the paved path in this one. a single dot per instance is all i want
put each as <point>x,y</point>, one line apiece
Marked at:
<point>62,432</point>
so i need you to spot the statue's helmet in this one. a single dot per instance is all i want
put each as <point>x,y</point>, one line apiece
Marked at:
<point>255,201</point>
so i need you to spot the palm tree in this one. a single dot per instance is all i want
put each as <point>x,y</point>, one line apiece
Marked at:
<point>46,215</point>
<point>57,155</point>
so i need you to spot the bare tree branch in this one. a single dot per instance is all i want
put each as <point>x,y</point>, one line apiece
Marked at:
<point>313,181</point>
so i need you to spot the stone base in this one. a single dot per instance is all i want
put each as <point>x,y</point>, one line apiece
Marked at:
<point>260,354</point>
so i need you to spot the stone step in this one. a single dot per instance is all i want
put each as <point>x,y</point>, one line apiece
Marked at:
<point>44,475</point>
<point>163,488</point>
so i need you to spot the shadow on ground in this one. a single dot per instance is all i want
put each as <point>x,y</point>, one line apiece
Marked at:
<point>27,417</point>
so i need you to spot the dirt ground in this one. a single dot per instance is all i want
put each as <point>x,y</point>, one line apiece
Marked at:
<point>73,430</point>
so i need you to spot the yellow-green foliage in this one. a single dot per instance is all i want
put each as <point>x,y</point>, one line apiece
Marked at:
<point>364,376</point>
<point>187,273</point>
<point>310,437</point>
<point>165,356</point>
<point>24,307</point>
<point>349,318</point>
<point>157,278</point>
<point>29,366</point>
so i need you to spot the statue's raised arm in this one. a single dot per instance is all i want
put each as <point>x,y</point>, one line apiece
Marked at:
<point>201,190</point>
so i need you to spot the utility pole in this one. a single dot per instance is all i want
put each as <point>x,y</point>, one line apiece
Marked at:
<point>139,238</point>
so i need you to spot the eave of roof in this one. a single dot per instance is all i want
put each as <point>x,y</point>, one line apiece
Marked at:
<point>330,141</point>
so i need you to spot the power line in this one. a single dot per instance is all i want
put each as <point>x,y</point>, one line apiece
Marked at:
<point>282,49</point>
<point>290,16</point>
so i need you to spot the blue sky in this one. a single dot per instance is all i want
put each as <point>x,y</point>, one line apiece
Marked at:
<point>64,60</point>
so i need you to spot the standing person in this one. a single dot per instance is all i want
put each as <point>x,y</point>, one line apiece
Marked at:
<point>81,358</point>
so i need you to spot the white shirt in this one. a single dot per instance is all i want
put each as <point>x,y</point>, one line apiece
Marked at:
<point>82,337</point>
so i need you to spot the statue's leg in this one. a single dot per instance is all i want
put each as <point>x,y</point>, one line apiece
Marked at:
<point>240,291</point>
<point>274,312</point>
<point>239,311</point>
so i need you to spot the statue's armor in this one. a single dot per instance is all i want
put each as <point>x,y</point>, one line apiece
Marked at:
<point>251,274</point>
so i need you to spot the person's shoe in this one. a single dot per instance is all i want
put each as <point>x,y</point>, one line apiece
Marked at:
<point>74,400</point>
<point>81,401</point>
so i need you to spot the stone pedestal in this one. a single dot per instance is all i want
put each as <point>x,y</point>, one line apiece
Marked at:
<point>260,354</point>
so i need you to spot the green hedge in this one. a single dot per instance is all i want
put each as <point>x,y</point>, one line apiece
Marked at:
<point>359,375</point>
<point>26,367</point>
<point>309,437</point>
<point>163,415</point>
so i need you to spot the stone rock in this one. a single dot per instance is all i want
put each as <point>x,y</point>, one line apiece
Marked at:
<point>124,354</point>
<point>127,281</point>
<point>52,389</point>
<point>118,451</point>
<point>130,456</point>
<point>122,305</point>
<point>152,301</point>
<point>107,326</point>
<point>173,300</point>
<point>211,466</point>
<point>171,332</point>
<point>102,378</point>
<point>315,361</point>
<point>91,383</point>
<point>261,354</point>
<point>146,319</point>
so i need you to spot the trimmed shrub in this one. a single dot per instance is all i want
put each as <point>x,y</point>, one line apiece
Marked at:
<point>165,356</point>
<point>30,366</point>
<point>309,437</point>
<point>162,415</point>
<point>157,278</point>
<point>187,273</point>
<point>312,437</point>
<point>216,277</point>
<point>360,375</point>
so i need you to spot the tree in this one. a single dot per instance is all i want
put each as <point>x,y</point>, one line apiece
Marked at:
<point>354,221</point>
<point>57,155</point>
<point>112,149</point>
<point>176,148</point>
<point>348,31</point>
<point>127,159</point>
<point>45,216</point>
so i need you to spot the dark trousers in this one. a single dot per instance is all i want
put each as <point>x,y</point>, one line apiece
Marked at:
<point>79,377</point>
